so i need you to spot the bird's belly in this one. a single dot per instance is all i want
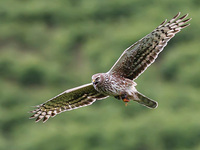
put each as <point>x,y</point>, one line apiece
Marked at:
<point>117,86</point>
<point>116,89</point>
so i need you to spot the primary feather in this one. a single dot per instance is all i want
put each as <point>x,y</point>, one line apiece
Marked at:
<point>70,99</point>
<point>143,53</point>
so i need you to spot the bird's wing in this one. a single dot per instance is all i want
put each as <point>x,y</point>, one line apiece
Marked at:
<point>70,99</point>
<point>135,59</point>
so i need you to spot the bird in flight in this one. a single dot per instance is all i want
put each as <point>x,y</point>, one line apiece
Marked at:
<point>119,80</point>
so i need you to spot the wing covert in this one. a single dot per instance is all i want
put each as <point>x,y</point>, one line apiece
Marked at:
<point>68,100</point>
<point>136,58</point>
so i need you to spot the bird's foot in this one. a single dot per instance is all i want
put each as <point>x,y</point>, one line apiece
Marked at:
<point>125,99</point>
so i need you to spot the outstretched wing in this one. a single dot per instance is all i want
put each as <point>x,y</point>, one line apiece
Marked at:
<point>70,99</point>
<point>143,53</point>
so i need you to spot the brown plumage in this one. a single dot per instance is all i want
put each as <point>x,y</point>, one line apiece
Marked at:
<point>119,80</point>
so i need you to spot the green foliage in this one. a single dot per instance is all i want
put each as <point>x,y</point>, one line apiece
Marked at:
<point>48,47</point>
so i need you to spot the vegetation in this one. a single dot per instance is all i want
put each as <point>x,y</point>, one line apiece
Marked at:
<point>49,46</point>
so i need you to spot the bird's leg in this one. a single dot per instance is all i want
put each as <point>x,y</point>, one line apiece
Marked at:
<point>125,99</point>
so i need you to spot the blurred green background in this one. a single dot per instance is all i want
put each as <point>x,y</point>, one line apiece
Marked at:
<point>49,46</point>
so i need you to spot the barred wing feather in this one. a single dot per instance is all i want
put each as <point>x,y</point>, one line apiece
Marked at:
<point>68,100</point>
<point>143,53</point>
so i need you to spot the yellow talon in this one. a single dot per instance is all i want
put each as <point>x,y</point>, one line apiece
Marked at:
<point>126,101</point>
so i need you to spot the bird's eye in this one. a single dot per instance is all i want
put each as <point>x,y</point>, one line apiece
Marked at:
<point>96,80</point>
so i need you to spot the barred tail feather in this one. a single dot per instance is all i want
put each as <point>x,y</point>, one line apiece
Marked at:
<point>146,101</point>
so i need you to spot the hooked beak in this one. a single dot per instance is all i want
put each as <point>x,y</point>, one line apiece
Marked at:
<point>93,81</point>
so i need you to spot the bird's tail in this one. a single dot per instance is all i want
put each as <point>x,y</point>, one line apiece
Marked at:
<point>146,101</point>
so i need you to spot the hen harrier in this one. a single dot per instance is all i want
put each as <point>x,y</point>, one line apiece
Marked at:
<point>119,80</point>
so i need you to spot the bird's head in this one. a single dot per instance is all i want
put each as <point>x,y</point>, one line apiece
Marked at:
<point>97,79</point>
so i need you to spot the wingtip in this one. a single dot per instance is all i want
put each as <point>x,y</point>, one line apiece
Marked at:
<point>184,16</point>
<point>163,22</point>
<point>185,25</point>
<point>177,15</point>
<point>31,117</point>
<point>39,118</point>
<point>45,118</point>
